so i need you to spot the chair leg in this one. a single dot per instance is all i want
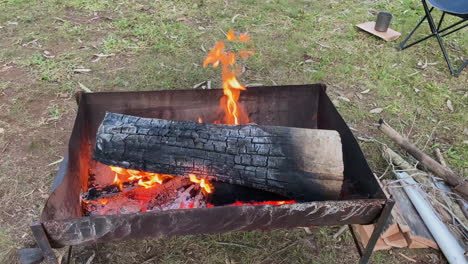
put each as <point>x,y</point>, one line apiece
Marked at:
<point>439,39</point>
<point>402,44</point>
<point>463,66</point>
<point>440,21</point>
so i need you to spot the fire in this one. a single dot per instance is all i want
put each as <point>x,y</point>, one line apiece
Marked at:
<point>231,86</point>
<point>233,114</point>
<point>204,184</point>
<point>145,179</point>
<point>149,179</point>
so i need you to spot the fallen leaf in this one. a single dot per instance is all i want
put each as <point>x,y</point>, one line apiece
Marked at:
<point>416,90</point>
<point>376,111</point>
<point>81,70</point>
<point>55,162</point>
<point>101,55</point>
<point>233,19</point>
<point>84,88</point>
<point>48,54</point>
<point>182,19</point>
<point>365,91</point>
<point>449,105</point>
<point>323,45</point>
<point>198,85</point>
<point>344,99</point>
<point>336,103</point>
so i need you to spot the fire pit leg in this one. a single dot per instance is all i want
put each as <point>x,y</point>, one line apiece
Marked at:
<point>43,242</point>
<point>383,218</point>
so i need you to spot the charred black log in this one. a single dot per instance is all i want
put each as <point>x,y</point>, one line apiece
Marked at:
<point>299,163</point>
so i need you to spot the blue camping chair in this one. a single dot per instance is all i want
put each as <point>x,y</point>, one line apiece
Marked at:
<point>457,8</point>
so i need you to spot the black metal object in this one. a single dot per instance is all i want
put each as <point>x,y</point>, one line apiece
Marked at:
<point>30,256</point>
<point>383,219</point>
<point>362,201</point>
<point>383,21</point>
<point>447,8</point>
<point>43,242</point>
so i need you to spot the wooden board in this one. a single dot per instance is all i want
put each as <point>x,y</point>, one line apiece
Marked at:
<point>299,163</point>
<point>389,35</point>
<point>418,234</point>
<point>364,233</point>
<point>397,240</point>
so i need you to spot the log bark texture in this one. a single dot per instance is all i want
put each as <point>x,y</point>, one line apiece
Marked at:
<point>299,163</point>
<point>458,184</point>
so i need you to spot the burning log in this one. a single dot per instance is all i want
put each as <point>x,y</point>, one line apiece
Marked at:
<point>97,192</point>
<point>299,163</point>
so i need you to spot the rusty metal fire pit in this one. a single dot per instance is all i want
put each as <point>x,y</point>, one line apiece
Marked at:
<point>304,106</point>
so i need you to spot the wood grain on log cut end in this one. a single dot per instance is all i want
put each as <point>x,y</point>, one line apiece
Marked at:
<point>299,163</point>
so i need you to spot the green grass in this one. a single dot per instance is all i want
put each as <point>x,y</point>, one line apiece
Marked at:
<point>161,45</point>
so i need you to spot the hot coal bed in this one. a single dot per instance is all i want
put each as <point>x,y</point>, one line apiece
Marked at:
<point>66,220</point>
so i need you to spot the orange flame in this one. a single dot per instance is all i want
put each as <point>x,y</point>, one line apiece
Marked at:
<point>149,179</point>
<point>231,86</point>
<point>145,179</point>
<point>200,120</point>
<point>204,184</point>
<point>117,181</point>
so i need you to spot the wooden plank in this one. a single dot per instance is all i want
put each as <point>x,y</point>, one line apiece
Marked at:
<point>290,161</point>
<point>397,240</point>
<point>389,35</point>
<point>364,233</point>
<point>414,243</point>
<point>418,230</point>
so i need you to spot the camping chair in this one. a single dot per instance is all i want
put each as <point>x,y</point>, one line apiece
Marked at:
<point>457,8</point>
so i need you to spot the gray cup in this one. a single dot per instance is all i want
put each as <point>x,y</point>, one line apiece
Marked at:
<point>383,21</point>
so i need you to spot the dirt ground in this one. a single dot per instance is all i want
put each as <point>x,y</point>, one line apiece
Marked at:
<point>154,45</point>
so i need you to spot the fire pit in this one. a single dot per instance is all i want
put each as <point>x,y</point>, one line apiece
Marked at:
<point>63,220</point>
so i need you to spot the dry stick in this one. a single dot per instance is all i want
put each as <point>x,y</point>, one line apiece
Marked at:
<point>452,209</point>
<point>407,258</point>
<point>235,244</point>
<point>458,184</point>
<point>340,231</point>
<point>441,159</point>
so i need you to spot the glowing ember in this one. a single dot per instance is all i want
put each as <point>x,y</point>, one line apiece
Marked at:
<point>204,184</point>
<point>231,86</point>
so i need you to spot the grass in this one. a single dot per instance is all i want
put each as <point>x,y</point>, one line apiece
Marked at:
<point>161,45</point>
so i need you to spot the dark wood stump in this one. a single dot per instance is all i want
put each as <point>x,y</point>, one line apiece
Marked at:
<point>299,163</point>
